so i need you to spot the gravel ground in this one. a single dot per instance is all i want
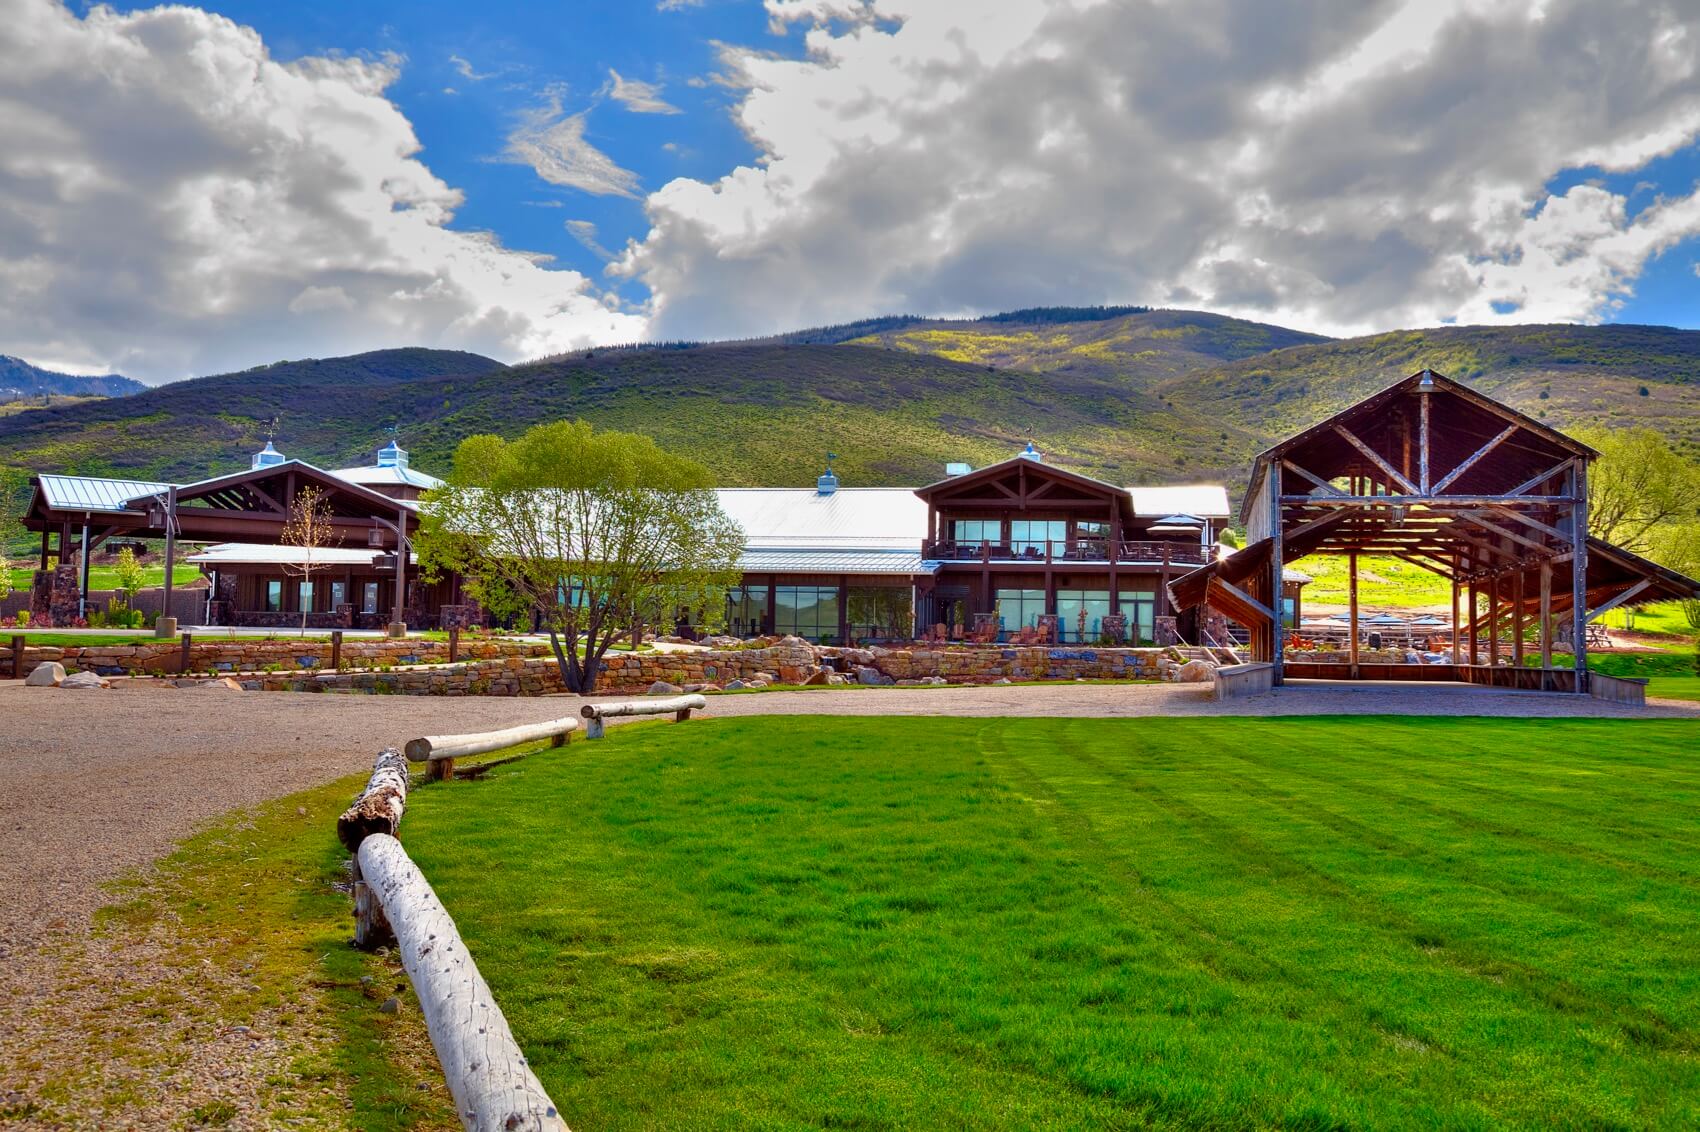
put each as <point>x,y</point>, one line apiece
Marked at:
<point>97,784</point>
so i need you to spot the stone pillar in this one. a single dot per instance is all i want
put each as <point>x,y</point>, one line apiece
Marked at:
<point>1115,627</point>
<point>1163,627</point>
<point>1048,624</point>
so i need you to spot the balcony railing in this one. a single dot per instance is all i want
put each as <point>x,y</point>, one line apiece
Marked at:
<point>1062,551</point>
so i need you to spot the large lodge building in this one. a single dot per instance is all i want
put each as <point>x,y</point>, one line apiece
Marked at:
<point>1022,543</point>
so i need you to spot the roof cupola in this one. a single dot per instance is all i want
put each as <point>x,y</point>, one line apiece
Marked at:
<point>828,481</point>
<point>392,455</point>
<point>267,457</point>
<point>1032,453</point>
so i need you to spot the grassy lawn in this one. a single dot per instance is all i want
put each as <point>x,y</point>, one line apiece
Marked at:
<point>1381,582</point>
<point>1019,923</point>
<point>1669,674</point>
<point>106,577</point>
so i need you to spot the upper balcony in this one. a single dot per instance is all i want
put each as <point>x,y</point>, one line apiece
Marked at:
<point>1071,552</point>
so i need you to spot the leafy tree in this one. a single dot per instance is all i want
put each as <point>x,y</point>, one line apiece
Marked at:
<point>308,526</point>
<point>1638,487</point>
<point>131,576</point>
<point>579,529</point>
<point>14,496</point>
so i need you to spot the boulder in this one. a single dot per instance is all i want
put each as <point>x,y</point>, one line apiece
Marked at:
<point>662,688</point>
<point>1195,672</point>
<point>735,685</point>
<point>702,688</point>
<point>794,642</point>
<point>837,679</point>
<point>222,684</point>
<point>77,680</point>
<point>871,677</point>
<point>48,675</point>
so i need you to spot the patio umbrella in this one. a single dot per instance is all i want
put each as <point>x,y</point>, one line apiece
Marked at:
<point>1178,523</point>
<point>1383,619</point>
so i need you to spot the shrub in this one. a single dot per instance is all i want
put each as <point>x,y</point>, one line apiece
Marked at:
<point>23,618</point>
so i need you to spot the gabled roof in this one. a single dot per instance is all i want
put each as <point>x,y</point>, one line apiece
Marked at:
<point>1200,500</point>
<point>94,493</point>
<point>389,474</point>
<point>992,471</point>
<point>868,518</point>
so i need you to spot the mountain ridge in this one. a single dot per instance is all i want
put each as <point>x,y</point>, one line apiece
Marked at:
<point>20,379</point>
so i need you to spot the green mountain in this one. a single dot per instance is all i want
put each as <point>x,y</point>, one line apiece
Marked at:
<point>190,429</point>
<point>1126,394</point>
<point>19,379</point>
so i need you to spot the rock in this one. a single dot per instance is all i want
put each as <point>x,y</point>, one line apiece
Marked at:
<point>390,1005</point>
<point>837,679</point>
<point>84,680</point>
<point>702,687</point>
<point>817,678</point>
<point>794,642</point>
<point>871,677</point>
<point>222,684</point>
<point>736,686</point>
<point>48,675</point>
<point>755,683</point>
<point>1003,680</point>
<point>662,688</point>
<point>1195,672</point>
<point>367,980</point>
<point>766,677</point>
<point>935,681</point>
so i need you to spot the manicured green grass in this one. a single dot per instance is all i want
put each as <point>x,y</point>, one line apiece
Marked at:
<point>1020,923</point>
<point>1669,674</point>
<point>1665,619</point>
<point>1381,582</point>
<point>106,577</point>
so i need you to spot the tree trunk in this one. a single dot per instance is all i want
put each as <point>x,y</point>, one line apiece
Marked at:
<point>572,675</point>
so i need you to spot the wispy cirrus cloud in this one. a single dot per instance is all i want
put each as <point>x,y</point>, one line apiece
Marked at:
<point>552,142</point>
<point>637,96</point>
<point>584,231</point>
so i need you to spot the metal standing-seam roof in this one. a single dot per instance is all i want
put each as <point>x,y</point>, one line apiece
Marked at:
<point>848,561</point>
<point>851,518</point>
<point>1200,500</point>
<point>388,474</point>
<point>95,493</point>
<point>271,554</point>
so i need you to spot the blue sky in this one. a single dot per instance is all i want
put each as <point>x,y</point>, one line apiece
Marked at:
<point>197,189</point>
<point>518,54</point>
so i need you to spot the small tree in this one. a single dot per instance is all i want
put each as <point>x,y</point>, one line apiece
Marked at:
<point>131,576</point>
<point>1638,487</point>
<point>580,529</point>
<point>308,527</point>
<point>14,489</point>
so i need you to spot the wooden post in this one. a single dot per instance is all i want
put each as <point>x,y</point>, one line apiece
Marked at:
<point>379,807</point>
<point>400,617</point>
<point>1493,621</point>
<point>1475,625</point>
<point>83,574</point>
<point>1277,588</point>
<point>17,657</point>
<point>183,654</point>
<point>1422,454</point>
<point>371,929</point>
<point>1579,570</point>
<point>1352,592</point>
<point>336,650</point>
<point>454,643</point>
<point>166,622</point>
<point>1456,656</point>
<point>1546,622</point>
<point>1517,619</point>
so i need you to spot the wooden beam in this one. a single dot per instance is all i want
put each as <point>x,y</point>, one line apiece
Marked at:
<point>1626,595</point>
<point>1529,522</point>
<point>1578,490</point>
<point>1422,442</point>
<point>1432,502</point>
<point>1277,588</point>
<point>1375,458</point>
<point>1315,479</point>
<point>1476,518</point>
<point>1352,604</point>
<point>1546,616</point>
<point>1245,597</point>
<point>1474,458</point>
<point>1529,484</point>
<point>1517,619</point>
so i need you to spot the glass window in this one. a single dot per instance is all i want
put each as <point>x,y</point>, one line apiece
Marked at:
<point>274,594</point>
<point>978,530</point>
<point>1080,614</point>
<point>339,594</point>
<point>1027,537</point>
<point>1289,607</point>
<point>880,612</point>
<point>746,609</point>
<point>1140,609</point>
<point>369,598</point>
<point>1019,609</point>
<point>305,596</point>
<point>810,612</point>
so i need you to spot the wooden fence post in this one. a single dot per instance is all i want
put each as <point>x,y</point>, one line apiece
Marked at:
<point>336,650</point>
<point>17,658</point>
<point>183,655</point>
<point>454,643</point>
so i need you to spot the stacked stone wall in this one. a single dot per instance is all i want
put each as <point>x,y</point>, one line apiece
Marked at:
<point>249,654</point>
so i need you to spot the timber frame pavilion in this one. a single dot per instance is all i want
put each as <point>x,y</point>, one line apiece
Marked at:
<point>1433,473</point>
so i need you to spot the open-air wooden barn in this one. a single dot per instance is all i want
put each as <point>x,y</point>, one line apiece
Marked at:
<point>1436,474</point>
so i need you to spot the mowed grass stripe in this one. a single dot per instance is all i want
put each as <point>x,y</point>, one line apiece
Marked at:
<point>808,922</point>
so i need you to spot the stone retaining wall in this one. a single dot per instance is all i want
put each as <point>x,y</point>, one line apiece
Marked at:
<point>248,654</point>
<point>788,664</point>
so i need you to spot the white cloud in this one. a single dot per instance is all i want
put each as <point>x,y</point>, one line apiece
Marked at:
<point>553,143</point>
<point>467,72</point>
<point>676,5</point>
<point>638,97</point>
<point>1337,167</point>
<point>173,201</point>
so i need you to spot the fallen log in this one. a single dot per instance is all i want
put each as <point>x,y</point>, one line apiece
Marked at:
<point>442,750</point>
<point>680,706</point>
<point>488,1076</point>
<point>379,807</point>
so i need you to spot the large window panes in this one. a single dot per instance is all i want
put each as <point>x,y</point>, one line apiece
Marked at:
<point>880,613</point>
<point>1140,609</point>
<point>1071,604</point>
<point>369,598</point>
<point>339,595</point>
<point>746,609</point>
<point>977,530</point>
<point>1019,609</point>
<point>1027,537</point>
<point>807,611</point>
<point>274,594</point>
<point>304,597</point>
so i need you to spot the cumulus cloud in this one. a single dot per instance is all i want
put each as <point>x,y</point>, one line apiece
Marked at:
<point>173,201</point>
<point>584,231</point>
<point>552,142</point>
<point>1338,166</point>
<point>638,97</point>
